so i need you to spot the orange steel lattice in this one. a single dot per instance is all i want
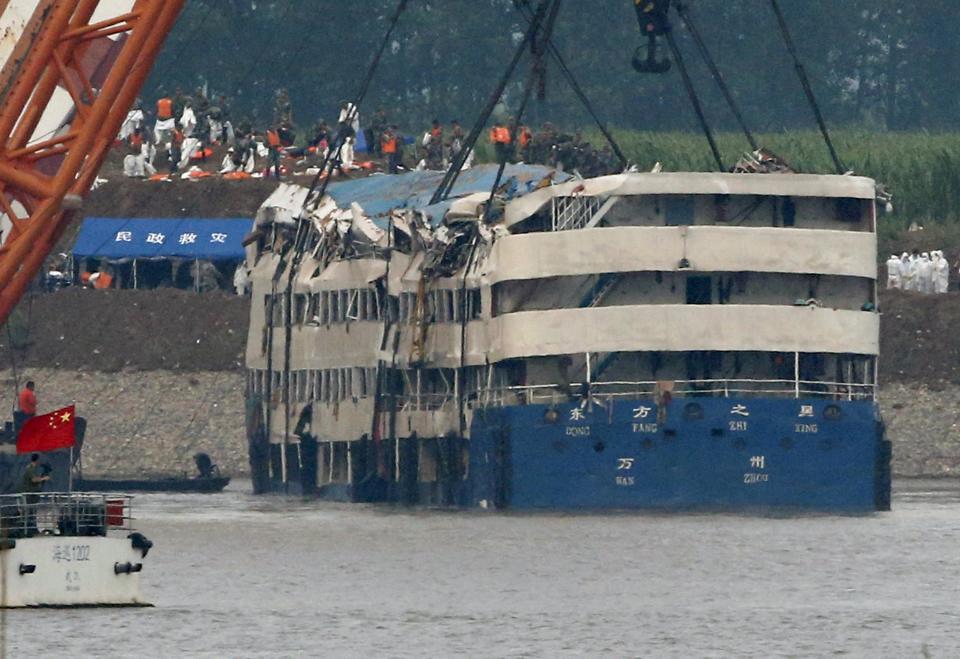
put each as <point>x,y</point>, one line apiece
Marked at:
<point>43,179</point>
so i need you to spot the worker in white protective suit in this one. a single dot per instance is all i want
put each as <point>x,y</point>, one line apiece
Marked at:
<point>893,271</point>
<point>941,274</point>
<point>188,121</point>
<point>925,274</point>
<point>906,272</point>
<point>350,122</point>
<point>140,165</point>
<point>130,125</point>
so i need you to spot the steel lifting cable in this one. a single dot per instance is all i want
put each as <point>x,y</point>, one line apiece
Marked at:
<point>534,77</point>
<point>807,89</point>
<point>331,160</point>
<point>694,99</point>
<point>337,148</point>
<point>578,91</point>
<point>453,172</point>
<point>688,23</point>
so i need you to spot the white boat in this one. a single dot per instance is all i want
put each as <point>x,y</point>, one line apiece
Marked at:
<point>69,550</point>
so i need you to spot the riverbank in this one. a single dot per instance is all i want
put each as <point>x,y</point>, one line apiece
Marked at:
<point>144,423</point>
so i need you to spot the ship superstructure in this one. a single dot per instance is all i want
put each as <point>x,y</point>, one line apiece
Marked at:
<point>638,340</point>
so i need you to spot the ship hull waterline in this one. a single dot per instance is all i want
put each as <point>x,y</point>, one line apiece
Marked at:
<point>711,454</point>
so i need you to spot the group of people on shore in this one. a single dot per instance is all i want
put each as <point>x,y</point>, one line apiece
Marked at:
<point>923,272</point>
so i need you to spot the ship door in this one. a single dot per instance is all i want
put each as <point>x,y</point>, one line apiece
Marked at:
<point>699,290</point>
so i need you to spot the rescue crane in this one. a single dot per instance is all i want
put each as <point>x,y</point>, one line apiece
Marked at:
<point>65,90</point>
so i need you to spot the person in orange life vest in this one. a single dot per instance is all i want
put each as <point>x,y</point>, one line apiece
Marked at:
<point>390,146</point>
<point>166,122</point>
<point>435,146</point>
<point>500,137</point>
<point>165,108</point>
<point>27,400</point>
<point>273,144</point>
<point>104,280</point>
<point>525,138</point>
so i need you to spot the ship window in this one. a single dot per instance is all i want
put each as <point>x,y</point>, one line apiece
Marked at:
<point>679,211</point>
<point>699,290</point>
<point>352,304</point>
<point>848,210</point>
<point>788,212</point>
<point>313,309</point>
<point>299,307</point>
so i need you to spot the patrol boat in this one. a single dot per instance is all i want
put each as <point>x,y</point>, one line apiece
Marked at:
<point>59,549</point>
<point>642,340</point>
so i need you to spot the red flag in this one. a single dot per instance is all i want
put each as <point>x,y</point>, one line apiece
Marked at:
<point>47,432</point>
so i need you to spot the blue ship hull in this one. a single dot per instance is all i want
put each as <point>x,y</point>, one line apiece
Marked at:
<point>699,453</point>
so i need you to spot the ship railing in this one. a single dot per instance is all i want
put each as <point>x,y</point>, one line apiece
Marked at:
<point>720,388</point>
<point>423,402</point>
<point>64,514</point>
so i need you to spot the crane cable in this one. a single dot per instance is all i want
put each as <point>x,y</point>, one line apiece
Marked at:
<point>453,172</point>
<point>807,89</point>
<point>688,23</point>
<point>578,90</point>
<point>331,161</point>
<point>694,99</point>
<point>534,78</point>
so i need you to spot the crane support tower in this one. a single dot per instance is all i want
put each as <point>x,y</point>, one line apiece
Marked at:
<point>72,70</point>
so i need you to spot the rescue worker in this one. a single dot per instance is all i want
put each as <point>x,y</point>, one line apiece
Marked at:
<point>455,146</point>
<point>133,123</point>
<point>941,273</point>
<point>390,147</point>
<point>27,401</point>
<point>175,154</point>
<point>906,272</point>
<point>434,146</point>
<point>893,272</point>
<point>925,274</point>
<point>273,144</point>
<point>165,120</point>
<point>188,120</point>
<point>525,138</point>
<point>500,137</point>
<point>349,126</point>
<point>104,279</point>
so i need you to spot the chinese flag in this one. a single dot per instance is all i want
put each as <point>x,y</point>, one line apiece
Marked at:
<point>47,432</point>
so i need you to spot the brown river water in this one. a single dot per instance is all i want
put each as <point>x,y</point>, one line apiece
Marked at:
<point>233,575</point>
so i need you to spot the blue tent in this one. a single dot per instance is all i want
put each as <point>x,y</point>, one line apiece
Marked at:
<point>160,238</point>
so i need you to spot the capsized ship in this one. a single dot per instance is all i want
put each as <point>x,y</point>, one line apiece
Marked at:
<point>642,340</point>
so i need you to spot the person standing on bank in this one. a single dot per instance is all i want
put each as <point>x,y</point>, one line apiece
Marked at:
<point>27,400</point>
<point>26,406</point>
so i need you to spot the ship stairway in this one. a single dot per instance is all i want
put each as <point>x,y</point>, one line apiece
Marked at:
<point>599,291</point>
<point>579,212</point>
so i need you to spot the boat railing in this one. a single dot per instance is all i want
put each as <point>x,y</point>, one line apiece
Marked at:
<point>719,388</point>
<point>64,514</point>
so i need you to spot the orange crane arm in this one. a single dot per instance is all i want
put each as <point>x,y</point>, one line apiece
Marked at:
<point>44,178</point>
